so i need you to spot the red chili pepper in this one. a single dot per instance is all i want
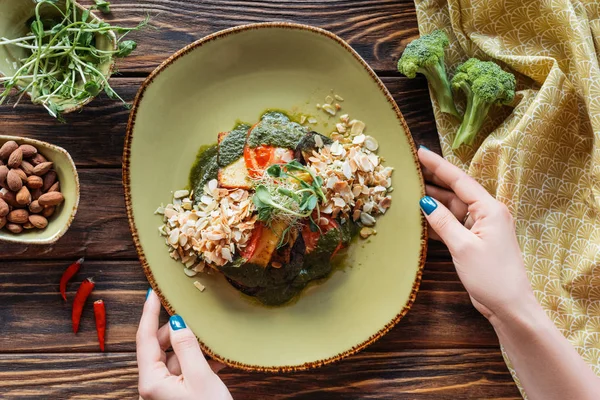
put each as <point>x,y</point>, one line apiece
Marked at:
<point>67,275</point>
<point>83,292</point>
<point>100,314</point>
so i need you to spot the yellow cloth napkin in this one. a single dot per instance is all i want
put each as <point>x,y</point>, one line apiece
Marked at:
<point>542,157</point>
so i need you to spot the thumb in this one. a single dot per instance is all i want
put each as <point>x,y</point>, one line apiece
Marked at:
<point>444,223</point>
<point>186,348</point>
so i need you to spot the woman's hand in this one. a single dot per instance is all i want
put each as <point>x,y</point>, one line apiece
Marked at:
<point>490,265</point>
<point>485,250</point>
<point>183,374</point>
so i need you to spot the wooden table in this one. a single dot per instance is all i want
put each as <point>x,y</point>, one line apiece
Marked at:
<point>443,349</point>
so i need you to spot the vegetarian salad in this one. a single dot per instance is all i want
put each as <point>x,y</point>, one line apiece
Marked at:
<point>272,203</point>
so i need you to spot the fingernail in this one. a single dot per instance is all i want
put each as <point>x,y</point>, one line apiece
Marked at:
<point>176,322</point>
<point>148,293</point>
<point>428,205</point>
<point>423,147</point>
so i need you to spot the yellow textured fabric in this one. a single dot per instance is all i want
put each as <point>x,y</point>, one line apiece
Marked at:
<point>541,156</point>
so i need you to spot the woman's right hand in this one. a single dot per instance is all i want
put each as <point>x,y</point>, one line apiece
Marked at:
<point>182,374</point>
<point>485,250</point>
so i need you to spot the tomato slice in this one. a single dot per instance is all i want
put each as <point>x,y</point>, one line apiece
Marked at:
<point>252,244</point>
<point>258,159</point>
<point>312,238</point>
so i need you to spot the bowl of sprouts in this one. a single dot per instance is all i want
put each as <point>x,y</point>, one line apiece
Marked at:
<point>58,53</point>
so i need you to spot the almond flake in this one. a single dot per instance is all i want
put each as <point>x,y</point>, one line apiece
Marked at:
<point>199,286</point>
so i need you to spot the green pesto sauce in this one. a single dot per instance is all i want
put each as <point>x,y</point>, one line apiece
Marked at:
<point>277,129</point>
<point>232,147</point>
<point>204,169</point>
<point>277,286</point>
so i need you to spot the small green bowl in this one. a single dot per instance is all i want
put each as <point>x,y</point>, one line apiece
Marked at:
<point>60,222</point>
<point>236,75</point>
<point>13,24</point>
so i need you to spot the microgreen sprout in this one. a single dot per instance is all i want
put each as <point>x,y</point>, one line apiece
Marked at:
<point>289,193</point>
<point>63,65</point>
<point>103,6</point>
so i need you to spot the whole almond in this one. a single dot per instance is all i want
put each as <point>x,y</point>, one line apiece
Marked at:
<point>28,225</point>
<point>14,181</point>
<point>22,174</point>
<point>51,199</point>
<point>55,187</point>
<point>14,228</point>
<point>36,193</point>
<point>14,161</point>
<point>7,149</point>
<point>38,159</point>
<point>3,209</point>
<point>27,167</point>
<point>35,182</point>
<point>18,216</point>
<point>38,221</point>
<point>48,211</point>
<point>35,207</point>
<point>42,168</point>
<point>49,180</point>
<point>2,222</point>
<point>3,173</point>
<point>10,198</point>
<point>28,150</point>
<point>23,196</point>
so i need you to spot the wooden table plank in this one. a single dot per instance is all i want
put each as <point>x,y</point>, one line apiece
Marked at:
<point>35,319</point>
<point>377,29</point>
<point>411,374</point>
<point>100,228</point>
<point>95,136</point>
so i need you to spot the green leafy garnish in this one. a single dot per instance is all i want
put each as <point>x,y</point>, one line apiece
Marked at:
<point>63,64</point>
<point>103,6</point>
<point>285,193</point>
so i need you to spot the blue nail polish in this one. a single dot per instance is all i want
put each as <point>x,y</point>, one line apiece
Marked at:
<point>148,293</point>
<point>428,205</point>
<point>176,322</point>
<point>423,147</point>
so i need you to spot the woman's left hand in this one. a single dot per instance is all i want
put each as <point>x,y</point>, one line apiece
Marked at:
<point>183,374</point>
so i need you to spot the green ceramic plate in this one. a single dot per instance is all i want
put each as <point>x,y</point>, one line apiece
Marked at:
<point>237,74</point>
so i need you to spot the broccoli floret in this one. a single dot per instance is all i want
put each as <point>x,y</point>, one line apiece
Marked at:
<point>426,56</point>
<point>484,83</point>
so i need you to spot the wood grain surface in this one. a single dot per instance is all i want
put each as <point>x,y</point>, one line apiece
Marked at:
<point>443,349</point>
<point>410,374</point>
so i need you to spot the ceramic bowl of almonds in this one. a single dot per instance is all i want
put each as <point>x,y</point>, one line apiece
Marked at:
<point>39,191</point>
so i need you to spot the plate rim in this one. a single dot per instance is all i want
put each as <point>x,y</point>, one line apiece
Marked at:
<point>128,203</point>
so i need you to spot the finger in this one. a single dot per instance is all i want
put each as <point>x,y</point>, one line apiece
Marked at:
<point>431,178</point>
<point>216,366</point>
<point>450,200</point>
<point>445,224</point>
<point>466,188</point>
<point>173,364</point>
<point>148,349</point>
<point>431,233</point>
<point>164,337</point>
<point>185,345</point>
